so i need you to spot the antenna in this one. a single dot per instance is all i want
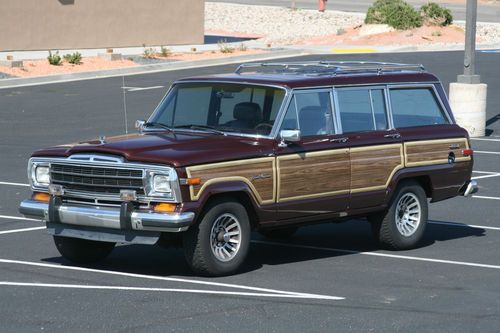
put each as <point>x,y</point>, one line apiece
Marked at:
<point>125,104</point>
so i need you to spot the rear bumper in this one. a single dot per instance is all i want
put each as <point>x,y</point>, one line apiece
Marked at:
<point>125,218</point>
<point>470,188</point>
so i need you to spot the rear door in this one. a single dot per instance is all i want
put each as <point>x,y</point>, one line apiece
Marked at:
<point>376,150</point>
<point>431,139</point>
<point>314,173</point>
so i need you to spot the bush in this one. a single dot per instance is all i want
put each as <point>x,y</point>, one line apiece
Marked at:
<point>74,58</point>
<point>54,59</point>
<point>396,13</point>
<point>148,52</point>
<point>165,52</point>
<point>434,14</point>
<point>224,47</point>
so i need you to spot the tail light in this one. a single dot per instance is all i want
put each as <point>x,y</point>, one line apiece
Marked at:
<point>467,152</point>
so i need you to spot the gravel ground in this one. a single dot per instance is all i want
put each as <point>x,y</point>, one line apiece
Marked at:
<point>285,26</point>
<point>277,24</point>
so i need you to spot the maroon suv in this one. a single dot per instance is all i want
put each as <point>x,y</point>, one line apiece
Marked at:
<point>270,147</point>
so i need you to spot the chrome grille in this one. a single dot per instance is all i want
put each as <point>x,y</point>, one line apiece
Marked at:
<point>97,179</point>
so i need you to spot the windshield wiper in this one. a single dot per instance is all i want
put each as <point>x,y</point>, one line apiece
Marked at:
<point>157,124</point>
<point>202,128</point>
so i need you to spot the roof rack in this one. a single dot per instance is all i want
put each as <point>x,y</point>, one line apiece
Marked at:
<point>328,67</point>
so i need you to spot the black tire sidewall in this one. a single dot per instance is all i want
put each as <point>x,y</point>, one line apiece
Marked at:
<point>197,241</point>
<point>388,231</point>
<point>82,250</point>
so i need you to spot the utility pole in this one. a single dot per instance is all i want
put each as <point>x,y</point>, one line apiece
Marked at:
<point>468,95</point>
<point>469,75</point>
<point>294,5</point>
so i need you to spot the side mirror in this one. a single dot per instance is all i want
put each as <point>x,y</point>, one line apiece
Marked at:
<point>139,124</point>
<point>289,136</point>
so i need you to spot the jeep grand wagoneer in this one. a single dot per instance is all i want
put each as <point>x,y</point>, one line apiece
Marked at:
<point>270,147</point>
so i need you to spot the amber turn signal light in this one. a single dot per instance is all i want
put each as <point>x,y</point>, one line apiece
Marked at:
<point>43,197</point>
<point>193,181</point>
<point>164,207</point>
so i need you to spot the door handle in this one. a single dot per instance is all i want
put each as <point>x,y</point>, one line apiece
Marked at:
<point>340,140</point>
<point>393,136</point>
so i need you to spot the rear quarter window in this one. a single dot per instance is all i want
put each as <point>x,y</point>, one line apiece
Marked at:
<point>416,107</point>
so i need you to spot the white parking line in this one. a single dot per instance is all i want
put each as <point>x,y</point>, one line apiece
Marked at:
<point>14,184</point>
<point>163,278</point>
<point>378,254</point>
<point>486,176</point>
<point>141,88</point>
<point>485,172</point>
<point>487,152</point>
<point>192,291</point>
<point>485,139</point>
<point>20,230</point>
<point>484,197</point>
<point>464,225</point>
<point>17,218</point>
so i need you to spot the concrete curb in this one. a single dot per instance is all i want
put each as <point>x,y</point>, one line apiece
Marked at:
<point>274,54</point>
<point>351,49</point>
<point>145,69</point>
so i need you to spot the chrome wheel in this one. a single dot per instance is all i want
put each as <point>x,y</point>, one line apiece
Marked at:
<point>408,214</point>
<point>225,237</point>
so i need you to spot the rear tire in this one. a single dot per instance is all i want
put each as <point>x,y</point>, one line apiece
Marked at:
<point>82,251</point>
<point>219,244</point>
<point>402,226</point>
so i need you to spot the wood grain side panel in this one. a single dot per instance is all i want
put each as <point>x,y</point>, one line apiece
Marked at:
<point>258,174</point>
<point>419,153</point>
<point>373,167</point>
<point>313,174</point>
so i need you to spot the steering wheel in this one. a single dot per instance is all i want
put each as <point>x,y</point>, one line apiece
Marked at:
<point>263,128</point>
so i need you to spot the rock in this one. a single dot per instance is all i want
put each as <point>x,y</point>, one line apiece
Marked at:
<point>373,29</point>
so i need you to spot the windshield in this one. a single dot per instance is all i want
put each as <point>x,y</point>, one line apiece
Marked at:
<point>227,107</point>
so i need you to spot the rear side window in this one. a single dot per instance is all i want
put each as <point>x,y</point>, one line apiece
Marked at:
<point>416,107</point>
<point>362,109</point>
<point>311,112</point>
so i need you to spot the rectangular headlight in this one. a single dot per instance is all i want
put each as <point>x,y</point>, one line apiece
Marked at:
<point>39,174</point>
<point>42,174</point>
<point>161,184</point>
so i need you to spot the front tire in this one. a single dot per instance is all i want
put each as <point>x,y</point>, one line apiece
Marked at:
<point>219,244</point>
<point>82,251</point>
<point>402,226</point>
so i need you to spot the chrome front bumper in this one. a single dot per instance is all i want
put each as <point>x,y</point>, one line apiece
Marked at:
<point>106,217</point>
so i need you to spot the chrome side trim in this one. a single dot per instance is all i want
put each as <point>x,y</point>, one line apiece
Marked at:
<point>472,188</point>
<point>109,217</point>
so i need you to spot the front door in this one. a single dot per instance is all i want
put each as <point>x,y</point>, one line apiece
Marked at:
<point>313,175</point>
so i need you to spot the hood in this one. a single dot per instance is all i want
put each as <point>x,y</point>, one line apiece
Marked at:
<point>179,149</point>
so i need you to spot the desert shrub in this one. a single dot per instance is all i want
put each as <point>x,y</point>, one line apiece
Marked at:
<point>224,47</point>
<point>73,58</point>
<point>54,58</point>
<point>396,13</point>
<point>242,47</point>
<point>148,52</point>
<point>434,14</point>
<point>165,51</point>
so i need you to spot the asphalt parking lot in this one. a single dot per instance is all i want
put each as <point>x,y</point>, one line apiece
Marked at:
<point>328,277</point>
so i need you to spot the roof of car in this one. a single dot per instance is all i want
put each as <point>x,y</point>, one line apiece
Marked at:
<point>323,73</point>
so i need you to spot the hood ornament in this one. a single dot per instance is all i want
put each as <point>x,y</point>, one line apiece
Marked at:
<point>102,139</point>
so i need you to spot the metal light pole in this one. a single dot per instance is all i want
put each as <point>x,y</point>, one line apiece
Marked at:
<point>468,95</point>
<point>469,75</point>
